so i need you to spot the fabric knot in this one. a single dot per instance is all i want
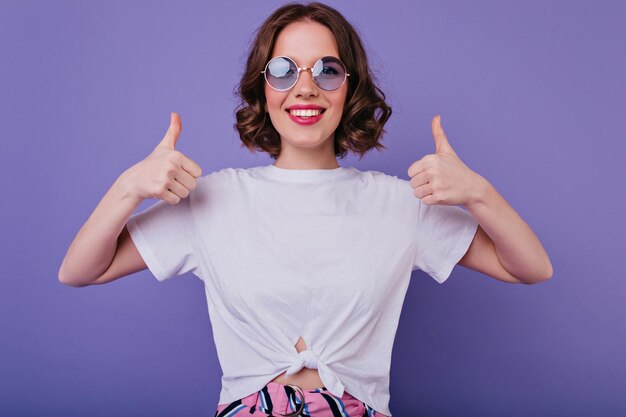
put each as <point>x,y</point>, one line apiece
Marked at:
<point>309,359</point>
<point>306,359</point>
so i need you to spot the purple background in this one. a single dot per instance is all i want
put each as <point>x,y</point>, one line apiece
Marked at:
<point>532,96</point>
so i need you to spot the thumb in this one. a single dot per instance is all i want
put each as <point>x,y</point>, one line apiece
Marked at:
<point>441,141</point>
<point>171,136</point>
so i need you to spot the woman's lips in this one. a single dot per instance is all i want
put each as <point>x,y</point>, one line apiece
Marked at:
<point>305,120</point>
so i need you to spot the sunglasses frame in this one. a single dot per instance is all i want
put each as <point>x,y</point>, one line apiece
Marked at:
<point>300,69</point>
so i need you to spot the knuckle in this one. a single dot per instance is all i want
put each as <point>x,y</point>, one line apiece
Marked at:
<point>163,179</point>
<point>434,161</point>
<point>170,169</point>
<point>175,156</point>
<point>161,188</point>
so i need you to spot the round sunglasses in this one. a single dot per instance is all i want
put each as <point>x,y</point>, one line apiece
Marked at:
<point>281,73</point>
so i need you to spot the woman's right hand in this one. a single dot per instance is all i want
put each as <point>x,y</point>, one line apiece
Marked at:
<point>166,174</point>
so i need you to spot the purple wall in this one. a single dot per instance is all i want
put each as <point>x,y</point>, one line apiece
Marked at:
<point>532,96</point>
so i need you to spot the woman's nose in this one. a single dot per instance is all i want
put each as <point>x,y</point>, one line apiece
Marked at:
<point>305,86</point>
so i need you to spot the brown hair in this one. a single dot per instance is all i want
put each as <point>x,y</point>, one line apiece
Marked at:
<point>365,111</point>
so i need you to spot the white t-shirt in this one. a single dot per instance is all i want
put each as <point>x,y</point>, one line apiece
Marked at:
<point>325,254</point>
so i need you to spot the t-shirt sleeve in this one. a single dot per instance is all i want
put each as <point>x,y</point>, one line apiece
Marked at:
<point>444,233</point>
<point>164,235</point>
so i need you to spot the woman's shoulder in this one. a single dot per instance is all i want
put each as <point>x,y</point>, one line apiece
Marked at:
<point>226,181</point>
<point>382,177</point>
<point>393,188</point>
<point>219,187</point>
<point>227,174</point>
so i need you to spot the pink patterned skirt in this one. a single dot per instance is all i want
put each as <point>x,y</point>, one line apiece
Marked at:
<point>278,400</point>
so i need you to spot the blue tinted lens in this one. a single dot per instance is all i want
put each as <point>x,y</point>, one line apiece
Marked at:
<point>329,73</point>
<point>281,73</point>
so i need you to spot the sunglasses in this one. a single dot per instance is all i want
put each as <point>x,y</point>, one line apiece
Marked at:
<point>282,73</point>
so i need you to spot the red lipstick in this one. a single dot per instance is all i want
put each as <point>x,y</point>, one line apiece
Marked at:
<point>300,118</point>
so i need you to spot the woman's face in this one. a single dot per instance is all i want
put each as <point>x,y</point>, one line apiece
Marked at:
<point>305,43</point>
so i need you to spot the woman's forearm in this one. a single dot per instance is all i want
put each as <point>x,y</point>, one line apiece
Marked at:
<point>95,244</point>
<point>519,250</point>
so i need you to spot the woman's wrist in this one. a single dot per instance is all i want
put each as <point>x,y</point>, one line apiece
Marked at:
<point>125,189</point>
<point>480,192</point>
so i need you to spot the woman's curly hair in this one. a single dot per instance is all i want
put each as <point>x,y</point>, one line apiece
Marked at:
<point>365,111</point>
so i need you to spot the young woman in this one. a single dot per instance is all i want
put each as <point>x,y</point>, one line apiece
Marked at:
<point>305,262</point>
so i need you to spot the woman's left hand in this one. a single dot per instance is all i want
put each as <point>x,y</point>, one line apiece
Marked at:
<point>442,178</point>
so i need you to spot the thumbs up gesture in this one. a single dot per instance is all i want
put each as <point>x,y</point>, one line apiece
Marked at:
<point>442,178</point>
<point>166,173</point>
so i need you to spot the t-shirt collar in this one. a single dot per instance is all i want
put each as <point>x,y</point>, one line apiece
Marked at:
<point>331,174</point>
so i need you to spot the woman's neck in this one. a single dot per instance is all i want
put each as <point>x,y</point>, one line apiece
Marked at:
<point>296,158</point>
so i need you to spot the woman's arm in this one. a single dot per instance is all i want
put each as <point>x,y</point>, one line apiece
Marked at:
<point>504,246</point>
<point>95,245</point>
<point>102,249</point>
